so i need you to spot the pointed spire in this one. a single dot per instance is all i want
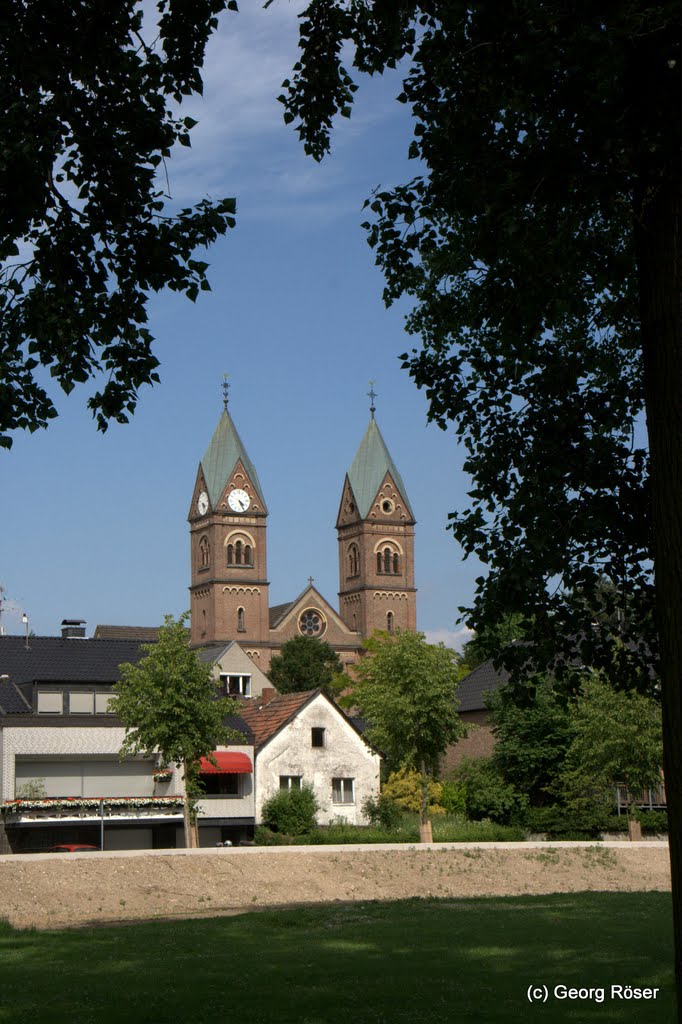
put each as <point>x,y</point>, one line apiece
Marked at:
<point>369,467</point>
<point>224,451</point>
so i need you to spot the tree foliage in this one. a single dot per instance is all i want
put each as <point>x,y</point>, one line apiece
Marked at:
<point>292,812</point>
<point>91,92</point>
<point>169,704</point>
<point>407,692</point>
<point>615,737</point>
<point>306,663</point>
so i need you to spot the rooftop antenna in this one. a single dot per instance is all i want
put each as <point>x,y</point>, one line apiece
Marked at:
<point>371,394</point>
<point>226,390</point>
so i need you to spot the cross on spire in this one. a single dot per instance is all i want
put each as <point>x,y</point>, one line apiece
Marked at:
<point>371,394</point>
<point>226,390</point>
<point>310,580</point>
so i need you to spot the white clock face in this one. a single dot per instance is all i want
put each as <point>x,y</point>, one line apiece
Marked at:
<point>202,503</point>
<point>238,500</point>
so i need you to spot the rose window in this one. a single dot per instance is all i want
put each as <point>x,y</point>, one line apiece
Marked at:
<point>311,623</point>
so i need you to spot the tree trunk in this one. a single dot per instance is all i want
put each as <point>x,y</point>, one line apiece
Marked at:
<point>658,240</point>
<point>425,830</point>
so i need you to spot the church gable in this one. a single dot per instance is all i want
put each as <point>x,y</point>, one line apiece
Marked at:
<point>311,615</point>
<point>348,509</point>
<point>389,505</point>
<point>199,488</point>
<point>241,480</point>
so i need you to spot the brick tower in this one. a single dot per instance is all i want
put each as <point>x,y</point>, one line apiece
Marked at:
<point>376,541</point>
<point>229,589</point>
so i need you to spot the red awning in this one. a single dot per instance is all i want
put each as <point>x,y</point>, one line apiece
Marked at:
<point>229,763</point>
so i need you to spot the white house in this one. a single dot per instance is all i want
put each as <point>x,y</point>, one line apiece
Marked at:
<point>306,739</point>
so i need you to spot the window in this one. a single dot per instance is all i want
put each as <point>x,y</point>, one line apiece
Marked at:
<point>241,628</point>
<point>219,784</point>
<point>102,701</point>
<point>311,622</point>
<point>343,791</point>
<point>389,621</point>
<point>50,703</point>
<point>81,703</point>
<point>288,782</point>
<point>239,551</point>
<point>353,560</point>
<point>317,737</point>
<point>388,560</point>
<point>236,686</point>
<point>204,553</point>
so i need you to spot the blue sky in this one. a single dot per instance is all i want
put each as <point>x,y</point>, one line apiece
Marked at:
<point>94,526</point>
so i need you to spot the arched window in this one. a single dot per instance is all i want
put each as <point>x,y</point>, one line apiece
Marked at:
<point>396,564</point>
<point>379,562</point>
<point>241,628</point>
<point>355,622</point>
<point>353,560</point>
<point>387,559</point>
<point>238,549</point>
<point>389,622</point>
<point>248,557</point>
<point>204,553</point>
<point>230,554</point>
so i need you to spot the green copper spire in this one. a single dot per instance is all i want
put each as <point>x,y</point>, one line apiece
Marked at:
<point>371,464</point>
<point>222,455</point>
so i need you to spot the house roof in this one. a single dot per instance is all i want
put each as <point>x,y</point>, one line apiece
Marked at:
<point>145,634</point>
<point>264,720</point>
<point>369,467</point>
<point>484,679</point>
<point>54,659</point>
<point>12,702</point>
<point>224,451</point>
<point>278,611</point>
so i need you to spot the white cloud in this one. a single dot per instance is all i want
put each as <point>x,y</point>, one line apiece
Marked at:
<point>455,638</point>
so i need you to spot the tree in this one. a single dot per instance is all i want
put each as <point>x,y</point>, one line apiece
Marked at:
<point>531,738</point>
<point>306,663</point>
<point>169,705</point>
<point>407,691</point>
<point>616,737</point>
<point>87,232</point>
<point>539,241</point>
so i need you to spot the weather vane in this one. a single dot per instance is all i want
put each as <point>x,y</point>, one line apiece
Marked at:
<point>226,389</point>
<point>371,394</point>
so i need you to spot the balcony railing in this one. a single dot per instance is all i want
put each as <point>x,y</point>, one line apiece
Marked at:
<point>90,807</point>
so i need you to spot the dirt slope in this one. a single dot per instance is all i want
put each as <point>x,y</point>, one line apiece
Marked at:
<point>58,890</point>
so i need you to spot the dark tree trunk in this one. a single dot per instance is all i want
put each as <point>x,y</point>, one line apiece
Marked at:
<point>659,237</point>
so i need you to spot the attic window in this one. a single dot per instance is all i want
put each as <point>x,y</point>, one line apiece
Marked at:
<point>317,736</point>
<point>50,702</point>
<point>236,686</point>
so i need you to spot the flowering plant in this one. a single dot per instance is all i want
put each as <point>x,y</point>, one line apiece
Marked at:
<point>162,774</point>
<point>91,803</point>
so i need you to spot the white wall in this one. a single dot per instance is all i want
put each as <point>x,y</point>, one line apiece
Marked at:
<point>345,755</point>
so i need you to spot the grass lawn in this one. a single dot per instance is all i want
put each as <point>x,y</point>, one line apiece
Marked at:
<point>426,961</point>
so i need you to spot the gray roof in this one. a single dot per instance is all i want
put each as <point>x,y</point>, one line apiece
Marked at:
<point>369,467</point>
<point>473,688</point>
<point>278,611</point>
<point>12,702</point>
<point>222,455</point>
<point>75,660</point>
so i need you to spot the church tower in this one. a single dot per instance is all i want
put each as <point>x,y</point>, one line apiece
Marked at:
<point>376,542</point>
<point>229,590</point>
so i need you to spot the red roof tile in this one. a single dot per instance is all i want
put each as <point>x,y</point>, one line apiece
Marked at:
<point>264,720</point>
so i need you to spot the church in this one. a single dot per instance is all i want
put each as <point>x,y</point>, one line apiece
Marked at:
<point>229,591</point>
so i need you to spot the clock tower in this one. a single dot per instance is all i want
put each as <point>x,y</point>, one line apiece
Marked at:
<point>376,541</point>
<point>229,589</point>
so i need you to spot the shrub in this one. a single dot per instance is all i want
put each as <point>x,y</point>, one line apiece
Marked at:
<point>291,811</point>
<point>383,812</point>
<point>560,822</point>
<point>405,788</point>
<point>454,798</point>
<point>487,794</point>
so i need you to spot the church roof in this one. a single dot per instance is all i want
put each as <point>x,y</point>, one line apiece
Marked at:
<point>223,453</point>
<point>369,467</point>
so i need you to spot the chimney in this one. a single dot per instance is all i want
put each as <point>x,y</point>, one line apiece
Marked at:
<point>268,694</point>
<point>73,629</point>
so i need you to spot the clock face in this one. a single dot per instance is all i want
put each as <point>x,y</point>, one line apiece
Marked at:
<point>238,500</point>
<point>202,503</point>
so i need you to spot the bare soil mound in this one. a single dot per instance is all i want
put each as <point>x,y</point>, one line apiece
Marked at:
<point>62,890</point>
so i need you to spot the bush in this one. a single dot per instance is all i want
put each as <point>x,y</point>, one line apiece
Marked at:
<point>454,798</point>
<point>405,788</point>
<point>291,811</point>
<point>561,822</point>
<point>383,812</point>
<point>653,821</point>
<point>487,794</point>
